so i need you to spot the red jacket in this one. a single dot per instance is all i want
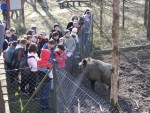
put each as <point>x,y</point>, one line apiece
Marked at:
<point>61,57</point>
<point>43,62</point>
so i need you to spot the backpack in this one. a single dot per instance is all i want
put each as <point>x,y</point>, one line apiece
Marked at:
<point>24,66</point>
<point>14,58</point>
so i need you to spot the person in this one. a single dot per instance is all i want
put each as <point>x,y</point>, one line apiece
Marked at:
<point>6,42</point>
<point>30,32</point>
<point>43,66</point>
<point>70,43</point>
<point>60,56</point>
<point>9,53</point>
<point>14,37</point>
<point>35,39</point>
<point>17,60</point>
<point>42,40</point>
<point>2,33</point>
<point>86,31</point>
<point>70,24</point>
<point>12,13</point>
<point>4,10</point>
<point>70,48</point>
<point>55,37</point>
<point>51,46</point>
<point>55,28</point>
<point>28,38</point>
<point>30,77</point>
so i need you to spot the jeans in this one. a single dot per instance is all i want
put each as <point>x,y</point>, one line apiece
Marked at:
<point>44,95</point>
<point>4,16</point>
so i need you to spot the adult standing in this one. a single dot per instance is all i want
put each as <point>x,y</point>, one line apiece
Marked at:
<point>4,10</point>
<point>2,32</point>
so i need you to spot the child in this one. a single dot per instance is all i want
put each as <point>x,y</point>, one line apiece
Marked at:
<point>43,66</point>
<point>61,56</point>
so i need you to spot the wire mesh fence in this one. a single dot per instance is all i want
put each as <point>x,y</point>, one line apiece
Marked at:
<point>36,92</point>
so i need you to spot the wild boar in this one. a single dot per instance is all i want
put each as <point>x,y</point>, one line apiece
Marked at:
<point>96,70</point>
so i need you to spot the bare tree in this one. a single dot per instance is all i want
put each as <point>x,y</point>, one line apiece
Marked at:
<point>148,26</point>
<point>123,16</point>
<point>146,12</point>
<point>101,16</point>
<point>115,54</point>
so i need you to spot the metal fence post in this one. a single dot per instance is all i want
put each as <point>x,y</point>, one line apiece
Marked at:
<point>54,92</point>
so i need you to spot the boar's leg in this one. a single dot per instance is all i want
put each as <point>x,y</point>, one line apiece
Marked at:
<point>92,84</point>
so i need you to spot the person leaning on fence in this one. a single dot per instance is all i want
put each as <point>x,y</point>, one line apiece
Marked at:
<point>86,31</point>
<point>60,56</point>
<point>43,66</point>
<point>29,78</point>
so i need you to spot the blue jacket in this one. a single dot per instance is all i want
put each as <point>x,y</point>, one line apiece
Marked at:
<point>52,57</point>
<point>3,7</point>
<point>9,53</point>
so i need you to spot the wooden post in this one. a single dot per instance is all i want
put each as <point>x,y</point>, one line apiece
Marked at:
<point>2,103</point>
<point>115,54</point>
<point>8,14</point>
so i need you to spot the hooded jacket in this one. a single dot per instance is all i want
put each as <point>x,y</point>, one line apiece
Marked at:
<point>43,62</point>
<point>61,58</point>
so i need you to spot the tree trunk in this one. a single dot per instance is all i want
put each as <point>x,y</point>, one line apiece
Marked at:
<point>146,12</point>
<point>148,26</point>
<point>101,17</point>
<point>123,18</point>
<point>115,54</point>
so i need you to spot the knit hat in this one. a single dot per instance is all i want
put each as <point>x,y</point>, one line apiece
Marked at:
<point>55,25</point>
<point>67,30</point>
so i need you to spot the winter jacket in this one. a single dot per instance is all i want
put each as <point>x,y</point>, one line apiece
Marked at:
<point>43,62</point>
<point>61,57</point>
<point>5,43</point>
<point>2,32</point>
<point>70,44</point>
<point>9,53</point>
<point>32,62</point>
<point>14,37</point>
<point>3,7</point>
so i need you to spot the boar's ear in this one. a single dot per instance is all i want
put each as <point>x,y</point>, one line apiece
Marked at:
<point>84,62</point>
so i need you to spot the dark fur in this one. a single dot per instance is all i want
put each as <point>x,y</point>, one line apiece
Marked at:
<point>96,70</point>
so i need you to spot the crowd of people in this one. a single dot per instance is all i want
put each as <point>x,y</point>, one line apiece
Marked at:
<point>38,52</point>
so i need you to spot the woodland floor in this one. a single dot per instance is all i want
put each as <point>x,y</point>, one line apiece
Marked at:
<point>134,81</point>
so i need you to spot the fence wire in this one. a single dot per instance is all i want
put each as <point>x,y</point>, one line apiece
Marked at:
<point>74,97</point>
<point>27,94</point>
